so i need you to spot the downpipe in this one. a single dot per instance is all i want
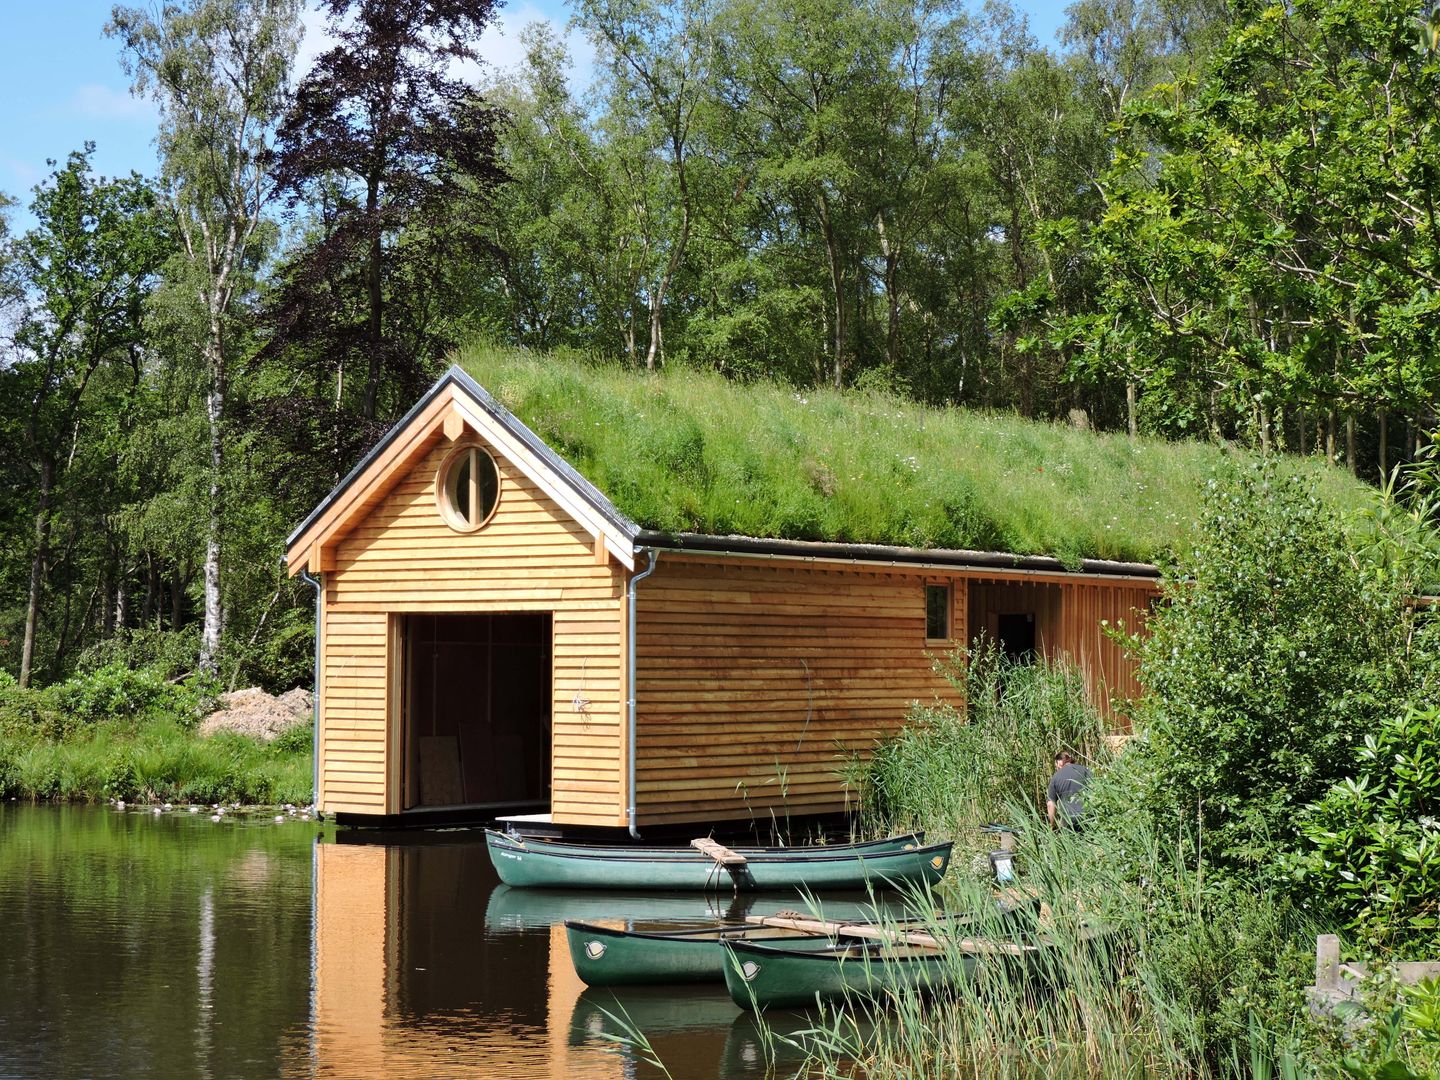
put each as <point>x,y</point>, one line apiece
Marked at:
<point>314,583</point>
<point>635,579</point>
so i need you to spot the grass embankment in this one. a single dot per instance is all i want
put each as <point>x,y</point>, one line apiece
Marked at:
<point>686,450</point>
<point>115,733</point>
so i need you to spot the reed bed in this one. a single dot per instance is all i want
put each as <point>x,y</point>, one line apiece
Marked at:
<point>1189,976</point>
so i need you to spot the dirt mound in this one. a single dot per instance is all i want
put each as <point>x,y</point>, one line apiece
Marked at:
<point>260,715</point>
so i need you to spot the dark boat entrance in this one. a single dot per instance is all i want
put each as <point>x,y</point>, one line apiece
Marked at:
<point>477,711</point>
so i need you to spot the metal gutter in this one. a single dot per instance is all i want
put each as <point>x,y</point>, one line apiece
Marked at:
<point>315,696</point>
<point>630,681</point>
<point>920,558</point>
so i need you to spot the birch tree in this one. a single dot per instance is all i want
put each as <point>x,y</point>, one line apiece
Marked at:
<point>219,71</point>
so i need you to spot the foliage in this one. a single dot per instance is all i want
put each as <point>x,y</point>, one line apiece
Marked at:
<point>115,694</point>
<point>1373,840</point>
<point>1266,246</point>
<point>394,153</point>
<point>1275,648</point>
<point>685,450</point>
<point>948,769</point>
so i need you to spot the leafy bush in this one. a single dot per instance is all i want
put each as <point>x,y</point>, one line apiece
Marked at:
<point>171,653</point>
<point>116,692</point>
<point>1275,650</point>
<point>1375,836</point>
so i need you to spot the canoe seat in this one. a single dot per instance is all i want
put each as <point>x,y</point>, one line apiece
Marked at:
<point>717,851</point>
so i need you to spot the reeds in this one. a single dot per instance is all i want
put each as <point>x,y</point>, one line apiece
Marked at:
<point>1140,964</point>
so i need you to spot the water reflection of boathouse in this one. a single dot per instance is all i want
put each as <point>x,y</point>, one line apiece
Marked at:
<point>424,966</point>
<point>495,635</point>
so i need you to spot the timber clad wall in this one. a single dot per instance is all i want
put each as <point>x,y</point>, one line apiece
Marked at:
<point>402,557</point>
<point>755,680</point>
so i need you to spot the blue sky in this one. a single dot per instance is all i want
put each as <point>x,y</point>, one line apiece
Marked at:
<point>61,83</point>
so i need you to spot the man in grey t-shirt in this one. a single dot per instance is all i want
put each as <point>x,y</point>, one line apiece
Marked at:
<point>1063,794</point>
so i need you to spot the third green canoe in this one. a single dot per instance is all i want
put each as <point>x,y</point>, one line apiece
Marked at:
<point>762,976</point>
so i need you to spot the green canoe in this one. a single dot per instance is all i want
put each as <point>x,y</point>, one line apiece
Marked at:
<point>539,864</point>
<point>608,956</point>
<point>764,976</point>
<point>903,842</point>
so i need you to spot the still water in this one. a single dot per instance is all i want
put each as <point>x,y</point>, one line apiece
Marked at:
<point>137,944</point>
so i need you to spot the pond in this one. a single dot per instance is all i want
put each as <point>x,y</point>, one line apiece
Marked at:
<point>135,943</point>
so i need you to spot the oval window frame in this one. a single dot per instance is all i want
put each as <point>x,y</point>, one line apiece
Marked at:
<point>445,478</point>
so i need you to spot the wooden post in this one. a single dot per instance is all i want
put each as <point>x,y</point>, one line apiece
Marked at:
<point>1327,962</point>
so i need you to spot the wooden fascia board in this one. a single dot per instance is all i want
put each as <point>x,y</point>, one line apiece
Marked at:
<point>545,479</point>
<point>383,473</point>
<point>915,569</point>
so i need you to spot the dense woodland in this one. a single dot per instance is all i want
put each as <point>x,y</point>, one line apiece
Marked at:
<point>1189,219</point>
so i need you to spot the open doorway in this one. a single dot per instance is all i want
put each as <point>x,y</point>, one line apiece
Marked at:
<point>1020,619</point>
<point>477,710</point>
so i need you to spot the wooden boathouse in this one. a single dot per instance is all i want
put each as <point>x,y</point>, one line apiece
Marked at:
<point>494,634</point>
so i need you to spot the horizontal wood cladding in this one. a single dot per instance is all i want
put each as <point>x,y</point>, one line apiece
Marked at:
<point>402,558</point>
<point>756,680</point>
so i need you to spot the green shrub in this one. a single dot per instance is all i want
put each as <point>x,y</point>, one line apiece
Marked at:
<point>171,653</point>
<point>1374,838</point>
<point>1275,649</point>
<point>115,692</point>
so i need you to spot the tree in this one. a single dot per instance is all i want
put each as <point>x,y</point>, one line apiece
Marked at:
<point>1275,650</point>
<point>84,269</point>
<point>394,147</point>
<point>660,58</point>
<point>1268,251</point>
<point>219,71</point>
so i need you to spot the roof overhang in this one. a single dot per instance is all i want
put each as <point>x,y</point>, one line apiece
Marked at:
<point>454,404</point>
<point>885,555</point>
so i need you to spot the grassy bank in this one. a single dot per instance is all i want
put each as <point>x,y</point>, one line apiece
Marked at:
<point>690,451</point>
<point>115,733</point>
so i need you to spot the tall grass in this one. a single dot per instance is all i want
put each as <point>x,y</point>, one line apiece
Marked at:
<point>691,451</point>
<point>1189,975</point>
<point>948,770</point>
<point>158,759</point>
<point>1141,971</point>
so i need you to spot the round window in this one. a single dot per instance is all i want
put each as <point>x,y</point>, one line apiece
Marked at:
<point>467,488</point>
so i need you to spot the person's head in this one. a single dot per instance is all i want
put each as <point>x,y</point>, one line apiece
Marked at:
<point>1062,759</point>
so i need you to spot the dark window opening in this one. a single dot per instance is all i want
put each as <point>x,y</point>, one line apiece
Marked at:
<point>1017,636</point>
<point>937,612</point>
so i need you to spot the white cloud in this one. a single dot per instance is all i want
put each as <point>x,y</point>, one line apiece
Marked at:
<point>101,102</point>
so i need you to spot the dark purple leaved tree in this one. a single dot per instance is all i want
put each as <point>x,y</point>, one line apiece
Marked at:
<point>393,151</point>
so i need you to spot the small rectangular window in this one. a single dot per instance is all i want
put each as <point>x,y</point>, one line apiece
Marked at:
<point>937,612</point>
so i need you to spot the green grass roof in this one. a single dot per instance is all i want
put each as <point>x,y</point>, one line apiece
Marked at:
<point>688,451</point>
